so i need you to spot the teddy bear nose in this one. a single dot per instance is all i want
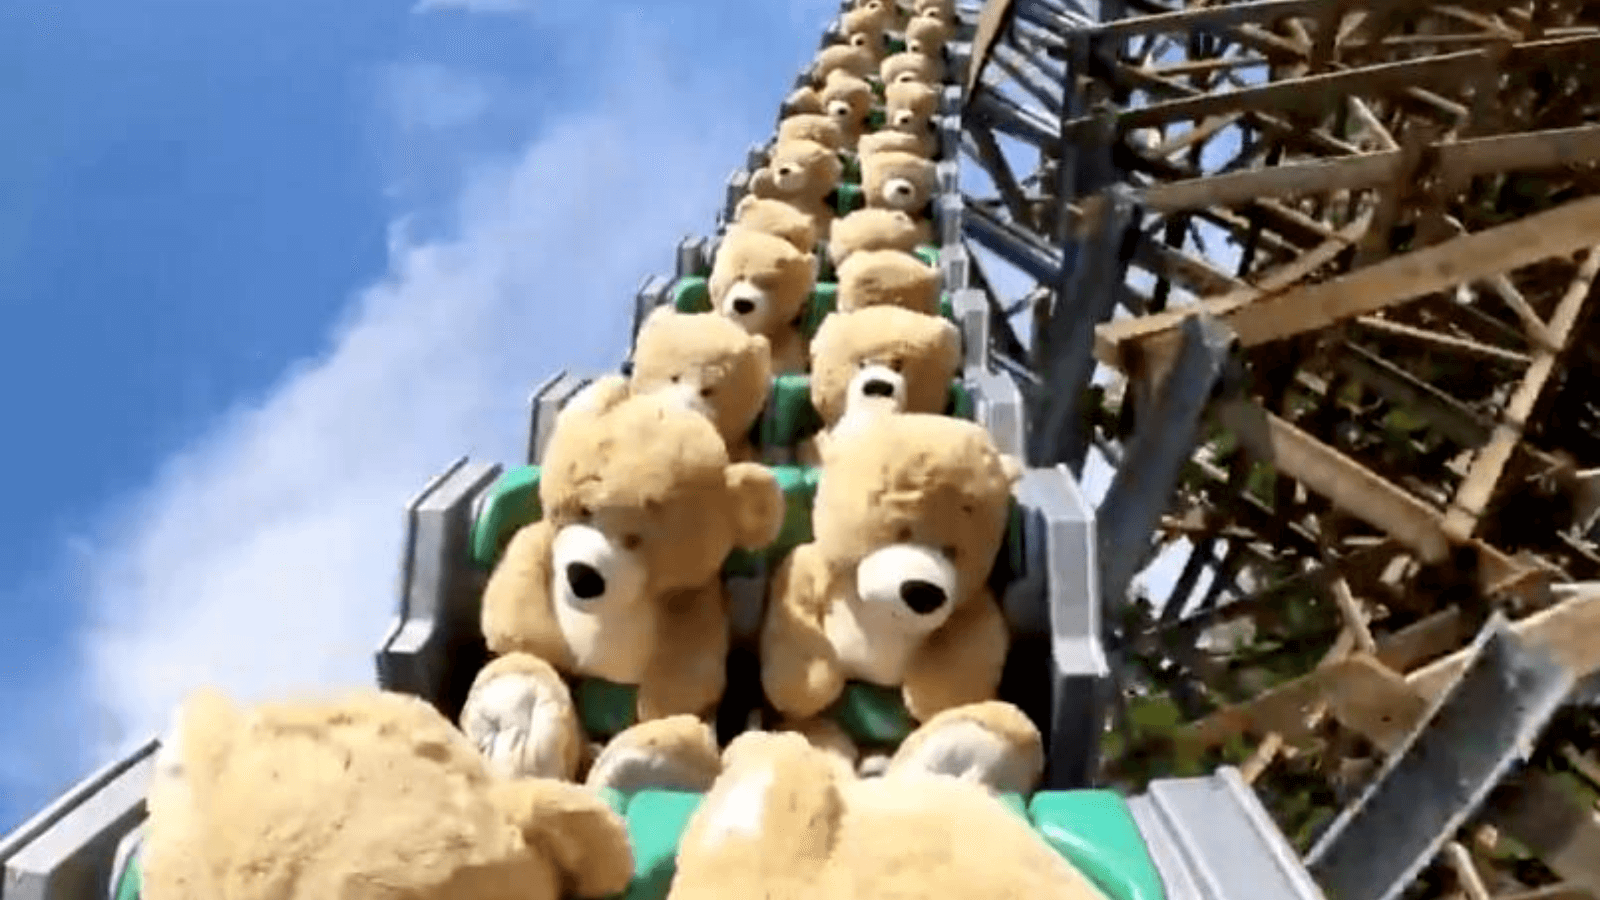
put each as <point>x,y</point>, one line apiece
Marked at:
<point>922,596</point>
<point>785,171</point>
<point>586,581</point>
<point>877,387</point>
<point>744,307</point>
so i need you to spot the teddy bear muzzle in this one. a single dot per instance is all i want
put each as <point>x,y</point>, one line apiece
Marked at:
<point>746,304</point>
<point>591,570</point>
<point>903,119</point>
<point>900,193</point>
<point>788,177</point>
<point>915,584</point>
<point>878,388</point>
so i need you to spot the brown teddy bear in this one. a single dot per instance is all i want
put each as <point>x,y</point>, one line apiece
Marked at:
<point>787,821</point>
<point>908,66</point>
<point>763,284</point>
<point>618,587</point>
<point>858,61</point>
<point>893,180</point>
<point>888,606</point>
<point>778,219</point>
<point>863,27</point>
<point>848,100</point>
<point>887,278</point>
<point>803,174</point>
<point>876,361</point>
<point>909,108</point>
<point>705,362</point>
<point>373,794</point>
<point>876,229</point>
<point>927,33</point>
<point>818,127</point>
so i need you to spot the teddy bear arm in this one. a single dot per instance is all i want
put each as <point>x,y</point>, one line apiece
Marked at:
<point>800,669</point>
<point>575,829</point>
<point>688,670</point>
<point>517,615</point>
<point>961,662</point>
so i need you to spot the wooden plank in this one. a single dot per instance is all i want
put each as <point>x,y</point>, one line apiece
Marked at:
<point>992,22</point>
<point>1544,815</point>
<point>1398,279</point>
<point>1310,92</point>
<point>1473,496</point>
<point>1570,631</point>
<point>1456,161</point>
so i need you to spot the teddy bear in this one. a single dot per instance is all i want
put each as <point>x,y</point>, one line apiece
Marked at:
<point>943,10</point>
<point>885,618</point>
<point>909,107</point>
<point>364,795</point>
<point>863,27</point>
<point>617,588</point>
<point>858,61</point>
<point>887,278</point>
<point>848,99</point>
<point>787,821</point>
<point>875,361</point>
<point>927,32</point>
<point>818,127</point>
<point>778,219</point>
<point>890,140</point>
<point>763,284</point>
<point>876,229</point>
<point>908,66</point>
<point>804,174</point>
<point>894,180</point>
<point>707,363</point>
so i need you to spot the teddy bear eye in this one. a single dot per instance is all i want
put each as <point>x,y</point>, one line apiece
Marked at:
<point>896,365</point>
<point>706,392</point>
<point>585,512</point>
<point>631,541</point>
<point>951,552</point>
<point>676,378</point>
<point>903,536</point>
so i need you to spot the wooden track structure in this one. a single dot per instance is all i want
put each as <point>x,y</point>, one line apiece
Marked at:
<point>1341,261</point>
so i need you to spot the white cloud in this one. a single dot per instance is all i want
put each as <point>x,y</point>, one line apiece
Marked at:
<point>432,97</point>
<point>263,560</point>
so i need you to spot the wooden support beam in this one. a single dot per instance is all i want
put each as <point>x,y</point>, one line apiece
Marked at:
<point>1398,279</point>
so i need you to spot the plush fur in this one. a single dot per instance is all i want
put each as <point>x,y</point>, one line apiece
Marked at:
<point>909,108</point>
<point>928,32</point>
<point>709,364</point>
<point>818,127</point>
<point>370,795</point>
<point>858,61</point>
<point>848,100</point>
<point>908,66</point>
<point>801,173</point>
<point>876,229</point>
<point>863,27</point>
<point>621,581</point>
<point>787,821</point>
<point>779,219</point>
<point>888,278</point>
<point>906,181</point>
<point>877,361</point>
<point>890,140</point>
<point>763,283</point>
<point>892,590</point>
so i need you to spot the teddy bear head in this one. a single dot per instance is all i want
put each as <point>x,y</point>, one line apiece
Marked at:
<point>887,278</point>
<point>910,106</point>
<point>330,798</point>
<point>642,500</point>
<point>798,170</point>
<point>759,281</point>
<point>891,140</point>
<point>915,505</point>
<point>848,99</point>
<point>927,32</point>
<point>820,128</point>
<point>707,363</point>
<point>883,358</point>
<point>895,180</point>
<point>777,218</point>
<point>909,66</point>
<point>858,61</point>
<point>943,10</point>
<point>802,100</point>
<point>875,229</point>
<point>863,27</point>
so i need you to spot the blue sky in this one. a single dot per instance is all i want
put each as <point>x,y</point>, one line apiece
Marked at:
<point>264,267</point>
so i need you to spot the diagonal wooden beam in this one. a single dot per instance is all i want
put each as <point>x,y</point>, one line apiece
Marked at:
<point>1399,279</point>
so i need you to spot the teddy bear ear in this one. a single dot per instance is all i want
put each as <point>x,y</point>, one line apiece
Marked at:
<point>758,505</point>
<point>599,396</point>
<point>658,316</point>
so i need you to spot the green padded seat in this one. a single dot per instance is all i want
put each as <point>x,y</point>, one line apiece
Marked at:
<point>848,197</point>
<point>1092,829</point>
<point>790,417</point>
<point>693,295</point>
<point>852,169</point>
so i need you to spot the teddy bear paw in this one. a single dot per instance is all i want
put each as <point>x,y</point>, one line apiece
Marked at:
<point>522,726</point>
<point>992,743</point>
<point>676,753</point>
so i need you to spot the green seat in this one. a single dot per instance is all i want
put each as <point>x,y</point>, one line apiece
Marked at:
<point>513,502</point>
<point>790,417</point>
<point>693,295</point>
<point>1092,829</point>
<point>852,169</point>
<point>848,197</point>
